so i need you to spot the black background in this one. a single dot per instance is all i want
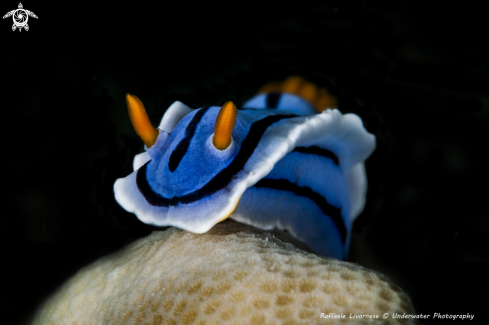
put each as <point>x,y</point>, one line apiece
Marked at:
<point>416,72</point>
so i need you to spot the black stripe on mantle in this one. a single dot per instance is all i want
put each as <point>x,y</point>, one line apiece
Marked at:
<point>272,99</point>
<point>315,150</point>
<point>331,211</point>
<point>182,147</point>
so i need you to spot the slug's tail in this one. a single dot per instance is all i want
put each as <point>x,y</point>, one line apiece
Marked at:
<point>319,98</point>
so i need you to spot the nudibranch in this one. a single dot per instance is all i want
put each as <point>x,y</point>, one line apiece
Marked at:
<point>280,161</point>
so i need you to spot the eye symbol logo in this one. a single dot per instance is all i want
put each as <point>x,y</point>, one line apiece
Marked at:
<point>20,17</point>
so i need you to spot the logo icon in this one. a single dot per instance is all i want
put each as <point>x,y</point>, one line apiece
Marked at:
<point>20,17</point>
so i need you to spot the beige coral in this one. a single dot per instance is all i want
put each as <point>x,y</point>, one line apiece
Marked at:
<point>233,274</point>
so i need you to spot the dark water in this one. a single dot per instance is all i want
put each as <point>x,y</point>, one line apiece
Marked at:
<point>417,74</point>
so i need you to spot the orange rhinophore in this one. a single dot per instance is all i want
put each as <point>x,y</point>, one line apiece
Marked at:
<point>140,121</point>
<point>224,125</point>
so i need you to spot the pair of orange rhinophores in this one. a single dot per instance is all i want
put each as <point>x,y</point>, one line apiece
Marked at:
<point>223,129</point>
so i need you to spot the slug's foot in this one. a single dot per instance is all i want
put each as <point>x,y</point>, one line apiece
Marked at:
<point>320,98</point>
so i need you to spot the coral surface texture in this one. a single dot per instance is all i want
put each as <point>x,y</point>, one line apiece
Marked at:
<point>233,274</point>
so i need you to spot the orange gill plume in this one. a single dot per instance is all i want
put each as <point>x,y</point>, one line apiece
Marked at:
<point>140,121</point>
<point>319,98</point>
<point>224,125</point>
